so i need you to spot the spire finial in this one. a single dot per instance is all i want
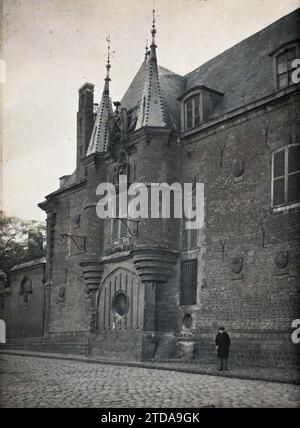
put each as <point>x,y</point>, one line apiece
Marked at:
<point>153,31</point>
<point>109,53</point>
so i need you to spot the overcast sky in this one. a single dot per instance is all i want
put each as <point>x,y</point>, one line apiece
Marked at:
<point>52,47</point>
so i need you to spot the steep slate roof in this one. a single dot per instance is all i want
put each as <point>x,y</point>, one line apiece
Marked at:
<point>244,73</point>
<point>100,135</point>
<point>151,108</point>
<point>172,85</point>
<point>28,264</point>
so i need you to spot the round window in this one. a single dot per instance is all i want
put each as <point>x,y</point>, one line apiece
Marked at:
<point>120,304</point>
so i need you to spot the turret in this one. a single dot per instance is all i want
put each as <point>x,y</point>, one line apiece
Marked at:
<point>151,111</point>
<point>100,136</point>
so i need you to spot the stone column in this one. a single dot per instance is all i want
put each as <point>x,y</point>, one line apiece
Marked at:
<point>48,274</point>
<point>92,271</point>
<point>154,265</point>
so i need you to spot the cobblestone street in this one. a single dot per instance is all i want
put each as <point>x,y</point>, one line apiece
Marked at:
<point>45,382</point>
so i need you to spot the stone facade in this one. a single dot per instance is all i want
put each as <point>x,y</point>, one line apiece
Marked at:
<point>23,301</point>
<point>119,296</point>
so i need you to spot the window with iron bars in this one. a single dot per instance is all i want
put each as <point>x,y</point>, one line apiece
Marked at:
<point>188,291</point>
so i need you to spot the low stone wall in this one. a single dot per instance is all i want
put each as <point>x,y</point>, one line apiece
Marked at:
<point>247,349</point>
<point>64,344</point>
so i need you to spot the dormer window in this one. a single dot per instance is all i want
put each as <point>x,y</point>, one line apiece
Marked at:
<point>283,58</point>
<point>197,105</point>
<point>285,68</point>
<point>192,111</point>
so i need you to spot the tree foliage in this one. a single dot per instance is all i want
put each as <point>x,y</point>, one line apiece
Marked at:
<point>14,242</point>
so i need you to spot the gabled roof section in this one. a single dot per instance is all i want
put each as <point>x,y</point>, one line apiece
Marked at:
<point>172,85</point>
<point>244,73</point>
<point>133,95</point>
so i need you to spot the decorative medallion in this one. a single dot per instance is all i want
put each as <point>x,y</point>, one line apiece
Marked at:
<point>237,264</point>
<point>238,167</point>
<point>61,292</point>
<point>76,219</point>
<point>281,259</point>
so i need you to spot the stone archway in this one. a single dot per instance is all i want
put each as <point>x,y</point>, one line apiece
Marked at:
<point>119,316</point>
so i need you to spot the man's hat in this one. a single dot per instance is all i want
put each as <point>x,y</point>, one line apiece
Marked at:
<point>221,328</point>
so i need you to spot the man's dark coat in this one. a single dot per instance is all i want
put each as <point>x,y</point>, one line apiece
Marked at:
<point>223,343</point>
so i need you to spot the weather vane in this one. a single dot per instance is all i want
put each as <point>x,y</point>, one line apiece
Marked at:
<point>153,31</point>
<point>108,48</point>
<point>153,18</point>
<point>110,53</point>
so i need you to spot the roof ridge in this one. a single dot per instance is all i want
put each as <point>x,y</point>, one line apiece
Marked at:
<point>241,42</point>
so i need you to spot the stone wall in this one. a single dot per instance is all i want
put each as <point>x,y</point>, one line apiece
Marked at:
<point>260,299</point>
<point>69,308</point>
<point>24,312</point>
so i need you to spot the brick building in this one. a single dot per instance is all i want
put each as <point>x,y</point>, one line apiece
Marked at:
<point>121,289</point>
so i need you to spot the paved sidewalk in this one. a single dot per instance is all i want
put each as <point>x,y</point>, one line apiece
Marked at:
<point>56,382</point>
<point>252,373</point>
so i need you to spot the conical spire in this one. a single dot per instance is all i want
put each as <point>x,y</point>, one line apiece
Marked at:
<point>100,135</point>
<point>151,112</point>
<point>146,51</point>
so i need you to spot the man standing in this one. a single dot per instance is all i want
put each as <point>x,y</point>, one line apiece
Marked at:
<point>222,346</point>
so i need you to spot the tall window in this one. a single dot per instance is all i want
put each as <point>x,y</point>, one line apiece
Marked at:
<point>189,236</point>
<point>188,290</point>
<point>286,176</point>
<point>118,229</point>
<point>1,302</point>
<point>189,239</point>
<point>25,289</point>
<point>284,67</point>
<point>192,111</point>
<point>25,286</point>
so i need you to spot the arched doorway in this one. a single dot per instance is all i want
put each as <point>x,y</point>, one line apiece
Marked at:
<point>120,302</point>
<point>120,316</point>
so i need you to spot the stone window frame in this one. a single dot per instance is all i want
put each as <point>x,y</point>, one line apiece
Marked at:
<point>286,205</point>
<point>24,293</point>
<point>122,226</point>
<point>278,53</point>
<point>191,96</point>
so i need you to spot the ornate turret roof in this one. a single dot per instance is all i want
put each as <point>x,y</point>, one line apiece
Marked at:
<point>151,108</point>
<point>100,135</point>
<point>172,86</point>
